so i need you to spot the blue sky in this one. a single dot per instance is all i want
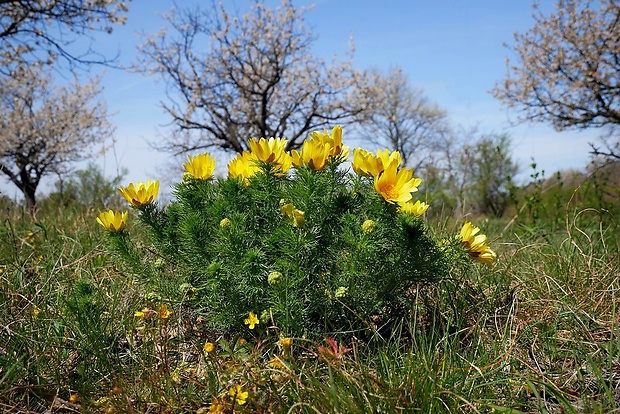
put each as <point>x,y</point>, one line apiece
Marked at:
<point>452,49</point>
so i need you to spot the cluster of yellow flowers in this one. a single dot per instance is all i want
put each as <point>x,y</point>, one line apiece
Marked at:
<point>394,183</point>
<point>139,194</point>
<point>164,312</point>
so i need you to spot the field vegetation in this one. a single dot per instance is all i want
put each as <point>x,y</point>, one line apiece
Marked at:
<point>536,330</point>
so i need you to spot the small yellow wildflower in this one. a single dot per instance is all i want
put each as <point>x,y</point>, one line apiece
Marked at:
<point>416,209</point>
<point>237,394</point>
<point>286,342</point>
<point>368,226</point>
<point>74,398</point>
<point>209,347</point>
<point>164,312</point>
<point>113,220</point>
<point>475,243</point>
<point>251,320</point>
<point>299,219</point>
<point>287,209</point>
<point>367,164</point>
<point>291,212</point>
<point>200,166</point>
<point>141,313</point>
<point>217,408</point>
<point>275,362</point>
<point>268,150</point>
<point>140,194</point>
<point>35,311</point>
<point>225,223</point>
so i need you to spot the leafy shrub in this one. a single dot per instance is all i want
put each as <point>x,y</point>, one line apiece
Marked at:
<point>308,252</point>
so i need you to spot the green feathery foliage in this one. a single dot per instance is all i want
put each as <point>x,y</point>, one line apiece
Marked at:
<point>292,250</point>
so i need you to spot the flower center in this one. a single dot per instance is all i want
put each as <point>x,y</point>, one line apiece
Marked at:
<point>389,191</point>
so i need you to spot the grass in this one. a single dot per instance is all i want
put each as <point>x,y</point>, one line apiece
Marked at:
<point>537,331</point>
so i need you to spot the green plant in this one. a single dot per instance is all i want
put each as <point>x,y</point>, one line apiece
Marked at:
<point>317,251</point>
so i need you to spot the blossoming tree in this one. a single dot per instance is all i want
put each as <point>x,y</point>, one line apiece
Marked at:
<point>41,31</point>
<point>45,127</point>
<point>231,78</point>
<point>567,70</point>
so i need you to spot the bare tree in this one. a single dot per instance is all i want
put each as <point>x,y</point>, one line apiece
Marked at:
<point>403,119</point>
<point>43,30</point>
<point>43,128</point>
<point>233,78</point>
<point>567,70</point>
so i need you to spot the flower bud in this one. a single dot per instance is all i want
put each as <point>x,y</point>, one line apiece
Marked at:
<point>274,278</point>
<point>369,226</point>
<point>341,292</point>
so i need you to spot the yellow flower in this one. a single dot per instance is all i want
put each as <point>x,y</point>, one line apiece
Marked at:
<point>225,223</point>
<point>243,166</point>
<point>267,150</point>
<point>286,342</point>
<point>291,212</point>
<point>314,154</point>
<point>275,362</point>
<point>272,151</point>
<point>164,312</point>
<point>287,209</point>
<point>368,226</point>
<point>237,394</point>
<point>417,209</point>
<point>369,165</point>
<point>144,313</point>
<point>74,398</point>
<point>208,347</point>
<point>251,320</point>
<point>334,141</point>
<point>35,311</point>
<point>201,166</point>
<point>113,220</point>
<point>140,194</point>
<point>299,220</point>
<point>475,243</point>
<point>396,186</point>
<point>217,408</point>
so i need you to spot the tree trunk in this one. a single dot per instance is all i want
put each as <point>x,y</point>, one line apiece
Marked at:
<point>29,195</point>
<point>29,188</point>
